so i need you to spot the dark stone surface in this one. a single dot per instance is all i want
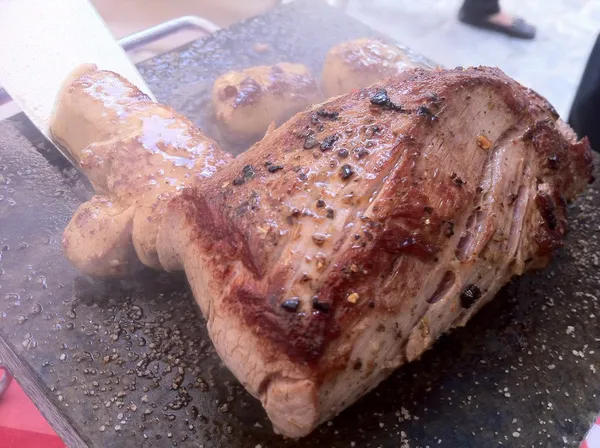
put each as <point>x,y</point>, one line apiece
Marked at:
<point>128,363</point>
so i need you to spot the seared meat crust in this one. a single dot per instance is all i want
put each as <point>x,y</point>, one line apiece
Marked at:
<point>344,243</point>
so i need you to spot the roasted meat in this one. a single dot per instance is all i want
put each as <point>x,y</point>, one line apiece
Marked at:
<point>137,155</point>
<point>344,243</point>
<point>246,102</point>
<point>360,63</point>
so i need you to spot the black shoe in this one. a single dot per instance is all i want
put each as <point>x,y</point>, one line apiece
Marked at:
<point>519,28</point>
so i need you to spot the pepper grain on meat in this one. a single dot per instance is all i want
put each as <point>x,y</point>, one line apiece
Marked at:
<point>310,142</point>
<point>328,142</point>
<point>346,171</point>
<point>331,115</point>
<point>291,304</point>
<point>382,100</point>
<point>469,296</point>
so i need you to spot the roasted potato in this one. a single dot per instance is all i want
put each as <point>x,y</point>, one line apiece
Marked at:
<point>246,102</point>
<point>360,63</point>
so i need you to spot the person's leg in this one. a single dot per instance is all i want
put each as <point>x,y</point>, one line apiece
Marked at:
<point>584,117</point>
<point>487,14</point>
<point>480,8</point>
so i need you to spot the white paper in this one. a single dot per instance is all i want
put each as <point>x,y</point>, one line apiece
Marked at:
<point>42,41</point>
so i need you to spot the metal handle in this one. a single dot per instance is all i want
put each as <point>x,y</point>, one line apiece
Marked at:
<point>5,379</point>
<point>152,34</point>
<point>164,29</point>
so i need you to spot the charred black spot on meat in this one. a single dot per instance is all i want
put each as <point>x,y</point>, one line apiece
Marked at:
<point>330,115</point>
<point>320,203</point>
<point>443,287</point>
<point>247,174</point>
<point>380,328</point>
<point>346,171</point>
<point>328,142</point>
<point>274,168</point>
<point>458,181</point>
<point>357,364</point>
<point>381,99</point>
<point>424,111</point>
<point>553,162</point>
<point>291,304</point>
<point>428,209</point>
<point>329,213</point>
<point>320,306</point>
<point>248,171</point>
<point>469,296</point>
<point>511,199</point>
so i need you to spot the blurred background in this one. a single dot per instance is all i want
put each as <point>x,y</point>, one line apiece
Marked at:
<point>551,64</point>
